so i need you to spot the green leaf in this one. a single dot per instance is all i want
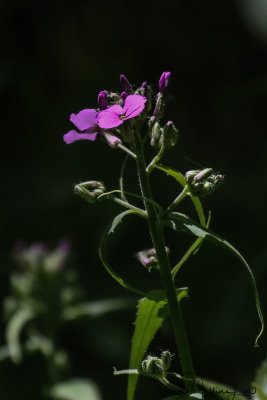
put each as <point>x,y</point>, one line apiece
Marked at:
<point>221,390</point>
<point>150,314</point>
<point>260,382</point>
<point>94,309</point>
<point>14,328</point>
<point>172,172</point>
<point>181,222</point>
<point>75,389</point>
<point>103,252</point>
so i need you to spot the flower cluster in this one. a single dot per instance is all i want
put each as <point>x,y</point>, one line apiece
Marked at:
<point>116,112</point>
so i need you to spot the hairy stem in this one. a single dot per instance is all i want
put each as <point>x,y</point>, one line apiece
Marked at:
<point>156,232</point>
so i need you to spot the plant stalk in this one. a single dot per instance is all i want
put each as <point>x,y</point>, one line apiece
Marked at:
<point>156,232</point>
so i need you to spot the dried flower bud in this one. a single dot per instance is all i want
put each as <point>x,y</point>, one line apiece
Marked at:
<point>164,82</point>
<point>90,191</point>
<point>203,182</point>
<point>125,84</point>
<point>102,99</point>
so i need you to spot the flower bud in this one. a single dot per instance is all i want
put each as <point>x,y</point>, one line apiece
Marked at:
<point>102,99</point>
<point>152,366</point>
<point>164,82</point>
<point>160,106</point>
<point>113,141</point>
<point>123,95</point>
<point>166,360</point>
<point>169,135</point>
<point>148,258</point>
<point>113,98</point>
<point>203,182</point>
<point>155,135</point>
<point>90,191</point>
<point>126,86</point>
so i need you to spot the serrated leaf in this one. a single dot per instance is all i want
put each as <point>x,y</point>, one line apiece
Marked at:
<point>181,222</point>
<point>14,328</point>
<point>95,309</point>
<point>151,312</point>
<point>221,390</point>
<point>75,389</point>
<point>103,252</point>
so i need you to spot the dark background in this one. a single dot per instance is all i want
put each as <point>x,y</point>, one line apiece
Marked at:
<point>55,58</point>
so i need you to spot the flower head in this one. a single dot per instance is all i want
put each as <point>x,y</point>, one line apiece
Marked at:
<point>164,82</point>
<point>115,115</point>
<point>86,122</point>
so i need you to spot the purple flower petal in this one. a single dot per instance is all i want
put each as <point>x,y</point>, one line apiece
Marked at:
<point>134,105</point>
<point>110,118</point>
<point>85,119</point>
<point>73,136</point>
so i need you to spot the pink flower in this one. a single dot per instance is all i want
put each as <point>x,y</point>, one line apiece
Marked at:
<point>115,115</point>
<point>86,122</point>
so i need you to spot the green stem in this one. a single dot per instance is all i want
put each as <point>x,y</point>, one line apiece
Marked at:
<point>176,201</point>
<point>191,250</point>
<point>156,232</point>
<point>120,146</point>
<point>128,205</point>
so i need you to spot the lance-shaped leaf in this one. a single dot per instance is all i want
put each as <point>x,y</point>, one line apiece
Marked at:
<point>103,252</point>
<point>181,222</point>
<point>151,312</point>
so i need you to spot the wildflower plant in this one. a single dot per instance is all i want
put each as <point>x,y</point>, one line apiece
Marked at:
<point>133,121</point>
<point>45,295</point>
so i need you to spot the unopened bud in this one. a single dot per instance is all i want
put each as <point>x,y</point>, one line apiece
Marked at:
<point>113,98</point>
<point>160,106</point>
<point>164,82</point>
<point>152,366</point>
<point>124,95</point>
<point>203,182</point>
<point>169,135</point>
<point>155,135</point>
<point>90,191</point>
<point>113,141</point>
<point>166,360</point>
<point>148,258</point>
<point>102,99</point>
<point>125,84</point>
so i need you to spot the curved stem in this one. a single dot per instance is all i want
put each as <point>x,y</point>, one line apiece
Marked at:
<point>156,232</point>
